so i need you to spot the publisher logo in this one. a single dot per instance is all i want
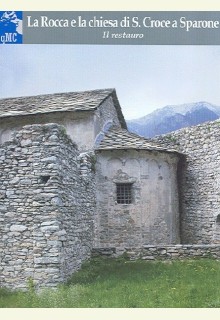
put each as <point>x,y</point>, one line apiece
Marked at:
<point>11,27</point>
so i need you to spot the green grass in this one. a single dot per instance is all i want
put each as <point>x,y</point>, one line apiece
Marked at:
<point>119,283</point>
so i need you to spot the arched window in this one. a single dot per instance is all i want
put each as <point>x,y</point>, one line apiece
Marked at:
<point>107,126</point>
<point>99,138</point>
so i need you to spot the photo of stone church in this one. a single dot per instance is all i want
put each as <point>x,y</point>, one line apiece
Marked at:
<point>75,182</point>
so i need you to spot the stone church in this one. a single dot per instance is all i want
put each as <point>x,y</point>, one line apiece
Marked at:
<point>75,182</point>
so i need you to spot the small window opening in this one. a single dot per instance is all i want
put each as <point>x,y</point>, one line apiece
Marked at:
<point>124,193</point>
<point>44,179</point>
<point>218,218</point>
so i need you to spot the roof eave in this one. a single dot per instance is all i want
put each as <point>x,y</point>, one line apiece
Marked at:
<point>141,149</point>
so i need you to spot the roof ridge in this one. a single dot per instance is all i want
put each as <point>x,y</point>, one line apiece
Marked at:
<point>59,93</point>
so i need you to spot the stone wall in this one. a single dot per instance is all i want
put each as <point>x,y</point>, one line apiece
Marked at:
<point>105,117</point>
<point>151,253</point>
<point>153,215</point>
<point>46,207</point>
<point>199,180</point>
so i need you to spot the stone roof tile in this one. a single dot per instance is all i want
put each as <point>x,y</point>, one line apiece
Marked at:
<point>117,138</point>
<point>59,102</point>
<point>71,101</point>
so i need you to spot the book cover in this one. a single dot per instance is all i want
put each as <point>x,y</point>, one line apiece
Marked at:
<point>85,95</point>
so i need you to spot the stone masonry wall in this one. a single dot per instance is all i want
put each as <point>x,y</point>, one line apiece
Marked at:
<point>199,181</point>
<point>165,252</point>
<point>152,217</point>
<point>105,117</point>
<point>107,111</point>
<point>46,207</point>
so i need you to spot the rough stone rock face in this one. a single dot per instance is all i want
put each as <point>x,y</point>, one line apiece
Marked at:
<point>46,207</point>
<point>199,180</point>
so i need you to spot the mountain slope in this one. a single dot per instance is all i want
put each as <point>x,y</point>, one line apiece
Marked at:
<point>172,118</point>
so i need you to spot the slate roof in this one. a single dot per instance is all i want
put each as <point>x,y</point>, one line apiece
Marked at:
<point>59,102</point>
<point>120,139</point>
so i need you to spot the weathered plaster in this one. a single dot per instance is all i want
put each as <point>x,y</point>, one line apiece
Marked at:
<point>153,217</point>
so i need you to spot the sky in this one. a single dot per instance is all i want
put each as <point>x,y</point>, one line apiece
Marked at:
<point>145,77</point>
